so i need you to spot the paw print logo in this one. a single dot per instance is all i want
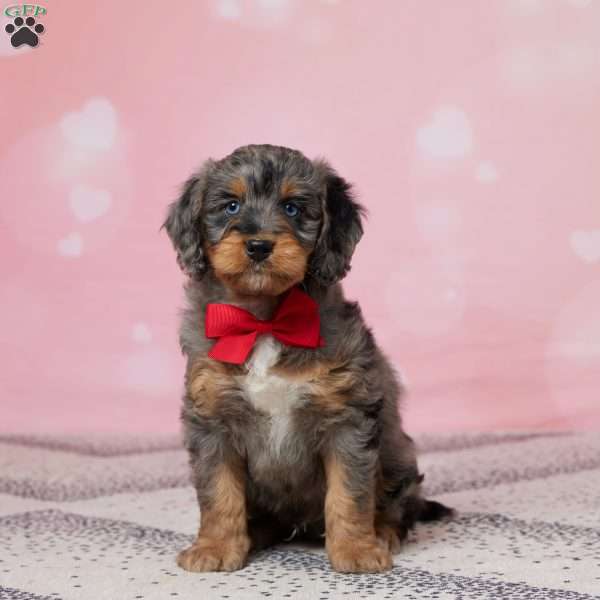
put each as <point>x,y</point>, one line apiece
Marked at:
<point>24,32</point>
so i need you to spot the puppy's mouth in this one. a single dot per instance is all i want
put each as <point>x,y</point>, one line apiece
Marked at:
<point>261,265</point>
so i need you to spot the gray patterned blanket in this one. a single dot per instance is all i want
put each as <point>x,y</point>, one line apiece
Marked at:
<point>103,517</point>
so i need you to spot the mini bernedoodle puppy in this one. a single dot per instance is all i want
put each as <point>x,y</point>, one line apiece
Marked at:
<point>290,409</point>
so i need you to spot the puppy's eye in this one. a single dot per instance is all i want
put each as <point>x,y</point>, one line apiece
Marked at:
<point>291,209</point>
<point>233,208</point>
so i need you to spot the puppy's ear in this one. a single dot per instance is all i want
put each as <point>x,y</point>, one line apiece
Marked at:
<point>341,228</point>
<point>184,224</point>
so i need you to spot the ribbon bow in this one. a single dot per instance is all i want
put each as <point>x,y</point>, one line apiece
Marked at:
<point>296,323</point>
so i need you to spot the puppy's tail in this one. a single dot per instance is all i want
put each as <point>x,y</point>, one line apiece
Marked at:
<point>434,511</point>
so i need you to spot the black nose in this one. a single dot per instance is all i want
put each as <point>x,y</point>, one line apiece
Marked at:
<point>258,250</point>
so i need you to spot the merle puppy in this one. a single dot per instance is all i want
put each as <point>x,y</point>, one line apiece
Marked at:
<point>290,409</point>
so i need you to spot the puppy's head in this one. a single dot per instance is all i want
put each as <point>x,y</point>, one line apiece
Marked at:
<point>263,219</point>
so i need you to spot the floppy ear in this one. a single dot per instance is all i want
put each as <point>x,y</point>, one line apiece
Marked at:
<point>341,228</point>
<point>184,224</point>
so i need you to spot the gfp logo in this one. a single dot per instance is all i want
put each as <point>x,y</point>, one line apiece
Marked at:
<point>24,31</point>
<point>24,10</point>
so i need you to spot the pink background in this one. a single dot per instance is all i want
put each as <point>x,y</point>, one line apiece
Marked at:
<point>470,129</point>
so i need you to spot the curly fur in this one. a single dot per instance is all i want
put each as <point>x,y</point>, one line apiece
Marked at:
<point>304,442</point>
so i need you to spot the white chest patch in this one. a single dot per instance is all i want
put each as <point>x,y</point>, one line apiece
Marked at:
<point>271,394</point>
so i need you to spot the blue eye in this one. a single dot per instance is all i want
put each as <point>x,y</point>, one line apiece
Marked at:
<point>233,208</point>
<point>291,210</point>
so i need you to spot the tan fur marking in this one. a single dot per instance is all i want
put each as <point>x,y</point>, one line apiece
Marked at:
<point>350,537</point>
<point>228,257</point>
<point>222,543</point>
<point>284,268</point>
<point>289,259</point>
<point>238,187</point>
<point>206,381</point>
<point>333,391</point>
<point>288,188</point>
<point>329,383</point>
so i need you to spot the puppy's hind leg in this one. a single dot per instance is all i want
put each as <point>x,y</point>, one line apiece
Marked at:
<point>401,505</point>
<point>390,535</point>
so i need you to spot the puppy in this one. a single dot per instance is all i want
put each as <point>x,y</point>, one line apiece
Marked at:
<point>290,410</point>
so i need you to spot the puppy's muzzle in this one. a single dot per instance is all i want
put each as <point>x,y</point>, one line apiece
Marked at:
<point>258,250</point>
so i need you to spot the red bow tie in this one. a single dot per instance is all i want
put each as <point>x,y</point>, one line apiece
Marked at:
<point>296,323</point>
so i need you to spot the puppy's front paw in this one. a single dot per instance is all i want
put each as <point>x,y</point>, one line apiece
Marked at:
<point>214,555</point>
<point>359,556</point>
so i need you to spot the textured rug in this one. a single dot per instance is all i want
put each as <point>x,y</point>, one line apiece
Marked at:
<point>103,517</point>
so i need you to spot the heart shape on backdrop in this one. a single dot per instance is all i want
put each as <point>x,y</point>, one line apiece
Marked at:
<point>586,244</point>
<point>71,246</point>
<point>486,172</point>
<point>94,127</point>
<point>141,333</point>
<point>88,203</point>
<point>447,135</point>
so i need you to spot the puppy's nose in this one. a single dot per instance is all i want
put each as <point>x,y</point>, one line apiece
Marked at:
<point>258,250</point>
